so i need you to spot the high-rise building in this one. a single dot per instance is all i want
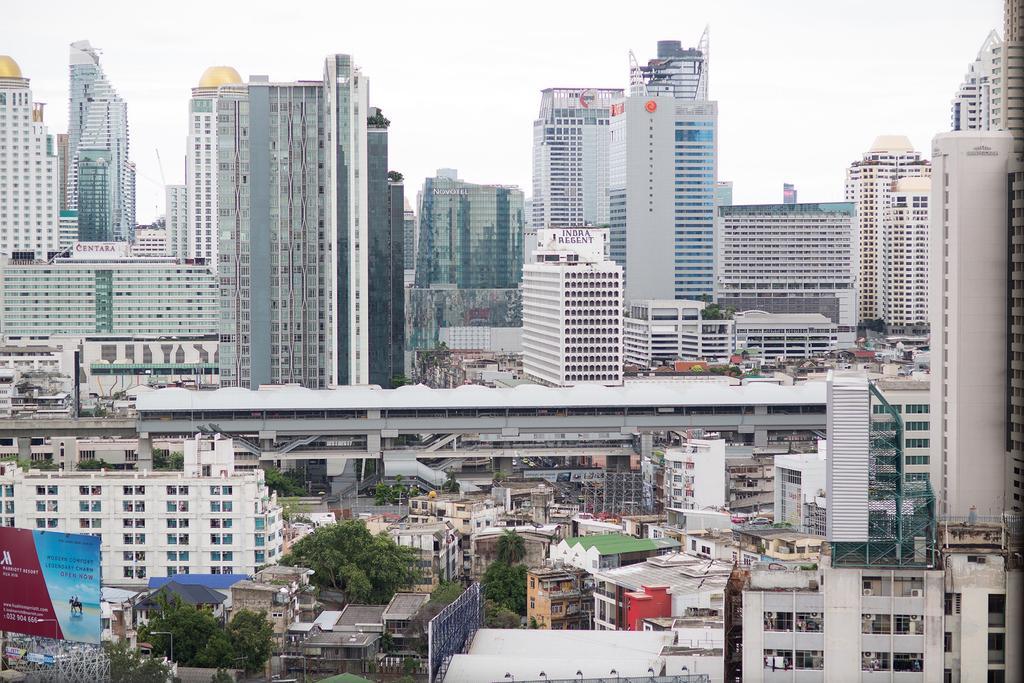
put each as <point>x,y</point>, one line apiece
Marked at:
<point>409,231</point>
<point>723,193</point>
<point>977,104</point>
<point>790,258</point>
<point>98,123</point>
<point>905,257</point>
<point>572,310</point>
<point>68,229</point>
<point>29,194</point>
<point>869,183</point>
<point>1013,121</point>
<point>176,219</point>
<point>97,195</point>
<point>63,163</point>
<point>659,332</point>
<point>200,239</point>
<point>470,235</point>
<point>970,263</point>
<point>788,193</point>
<point>663,169</point>
<point>386,272</point>
<point>294,229</point>
<point>99,288</point>
<point>570,157</point>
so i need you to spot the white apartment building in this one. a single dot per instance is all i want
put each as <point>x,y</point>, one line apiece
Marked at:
<point>905,257</point>
<point>785,335</point>
<point>572,310</point>
<point>207,519</point>
<point>842,624</point>
<point>99,288</point>
<point>978,102</point>
<point>196,201</point>
<point>970,260</point>
<point>695,475</point>
<point>570,157</point>
<point>869,183</point>
<point>67,229</point>
<point>790,258</point>
<point>151,242</point>
<point>800,489</point>
<point>176,220</point>
<point>7,391</point>
<point>29,173</point>
<point>911,398</point>
<point>661,331</point>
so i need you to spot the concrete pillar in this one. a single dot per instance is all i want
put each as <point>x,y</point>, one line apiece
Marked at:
<point>502,465</point>
<point>646,445</point>
<point>24,447</point>
<point>145,452</point>
<point>760,438</point>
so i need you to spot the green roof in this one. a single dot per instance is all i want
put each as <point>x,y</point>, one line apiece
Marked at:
<point>345,678</point>
<point>615,544</point>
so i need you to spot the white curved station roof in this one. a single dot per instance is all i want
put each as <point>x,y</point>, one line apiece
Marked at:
<point>476,396</point>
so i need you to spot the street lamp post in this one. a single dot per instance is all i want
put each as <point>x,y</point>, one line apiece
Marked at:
<point>165,633</point>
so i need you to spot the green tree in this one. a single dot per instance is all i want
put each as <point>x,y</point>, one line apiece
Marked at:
<point>128,666</point>
<point>505,585</point>
<point>193,628</point>
<point>446,593</point>
<point>87,465</point>
<point>286,484</point>
<point>252,637</point>
<point>165,461</point>
<point>450,485</point>
<point>222,676</point>
<point>511,547</point>
<point>347,557</point>
<point>496,616</point>
<point>216,653</point>
<point>399,381</point>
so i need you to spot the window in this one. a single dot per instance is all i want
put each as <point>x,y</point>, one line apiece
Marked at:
<point>809,659</point>
<point>997,610</point>
<point>874,661</point>
<point>947,642</point>
<point>996,648</point>
<point>778,659</point>
<point>876,623</point>
<point>778,621</point>
<point>908,624</point>
<point>808,622</point>
<point>907,661</point>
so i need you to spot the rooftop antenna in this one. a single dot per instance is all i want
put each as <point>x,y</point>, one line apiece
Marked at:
<point>637,87</point>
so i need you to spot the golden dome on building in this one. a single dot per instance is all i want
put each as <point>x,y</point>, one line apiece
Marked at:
<point>9,68</point>
<point>217,76</point>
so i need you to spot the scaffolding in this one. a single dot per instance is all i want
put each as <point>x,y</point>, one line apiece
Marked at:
<point>46,659</point>
<point>901,513</point>
<point>620,493</point>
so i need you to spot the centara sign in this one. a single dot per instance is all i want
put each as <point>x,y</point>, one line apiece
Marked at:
<point>99,250</point>
<point>574,236</point>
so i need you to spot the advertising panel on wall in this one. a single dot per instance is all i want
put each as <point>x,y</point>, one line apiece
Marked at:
<point>50,584</point>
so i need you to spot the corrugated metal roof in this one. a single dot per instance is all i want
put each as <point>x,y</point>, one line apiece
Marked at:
<point>615,544</point>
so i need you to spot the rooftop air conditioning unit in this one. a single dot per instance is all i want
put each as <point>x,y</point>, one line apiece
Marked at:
<point>917,593</point>
<point>867,591</point>
<point>914,617</point>
<point>868,617</point>
<point>770,615</point>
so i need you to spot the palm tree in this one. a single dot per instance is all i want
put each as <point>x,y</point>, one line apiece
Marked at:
<point>511,547</point>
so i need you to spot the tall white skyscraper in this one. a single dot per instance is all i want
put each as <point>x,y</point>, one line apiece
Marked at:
<point>869,184</point>
<point>570,157</point>
<point>218,83</point>
<point>29,195</point>
<point>978,103</point>
<point>176,217</point>
<point>969,262</point>
<point>663,170</point>
<point>98,130</point>
<point>572,310</point>
<point>905,256</point>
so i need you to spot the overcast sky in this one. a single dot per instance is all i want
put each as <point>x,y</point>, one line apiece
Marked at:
<point>803,85</point>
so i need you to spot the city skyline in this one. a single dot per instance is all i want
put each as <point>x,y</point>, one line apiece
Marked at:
<point>488,135</point>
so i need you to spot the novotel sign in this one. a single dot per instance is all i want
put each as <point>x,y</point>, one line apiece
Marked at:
<point>442,191</point>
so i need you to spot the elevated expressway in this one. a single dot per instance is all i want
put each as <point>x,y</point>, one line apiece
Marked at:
<point>283,424</point>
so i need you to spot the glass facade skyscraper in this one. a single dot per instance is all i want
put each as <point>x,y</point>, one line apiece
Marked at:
<point>570,157</point>
<point>663,173</point>
<point>97,122</point>
<point>96,188</point>
<point>471,236</point>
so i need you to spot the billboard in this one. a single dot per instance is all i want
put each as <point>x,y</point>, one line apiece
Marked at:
<point>50,584</point>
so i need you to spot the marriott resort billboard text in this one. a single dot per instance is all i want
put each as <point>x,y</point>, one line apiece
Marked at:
<point>50,584</point>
